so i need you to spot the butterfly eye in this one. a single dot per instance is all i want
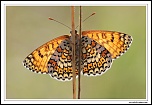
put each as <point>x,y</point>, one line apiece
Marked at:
<point>75,32</point>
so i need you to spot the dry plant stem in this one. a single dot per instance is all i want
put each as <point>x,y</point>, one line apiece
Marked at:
<point>73,53</point>
<point>79,71</point>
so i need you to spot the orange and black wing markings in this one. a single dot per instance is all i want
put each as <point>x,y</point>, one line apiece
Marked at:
<point>96,58</point>
<point>37,61</point>
<point>116,43</point>
<point>59,64</point>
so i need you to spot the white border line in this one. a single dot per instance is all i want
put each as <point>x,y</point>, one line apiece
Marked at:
<point>148,53</point>
<point>75,3</point>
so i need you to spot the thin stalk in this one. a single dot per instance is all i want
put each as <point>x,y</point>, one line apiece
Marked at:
<point>73,53</point>
<point>79,71</point>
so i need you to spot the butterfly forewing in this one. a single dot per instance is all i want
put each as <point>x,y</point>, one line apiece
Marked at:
<point>37,61</point>
<point>116,43</point>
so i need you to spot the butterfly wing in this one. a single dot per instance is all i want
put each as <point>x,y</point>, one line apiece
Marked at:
<point>37,61</point>
<point>53,58</point>
<point>96,58</point>
<point>116,43</point>
<point>60,63</point>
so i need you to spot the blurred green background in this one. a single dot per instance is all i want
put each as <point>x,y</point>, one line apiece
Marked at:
<point>28,27</point>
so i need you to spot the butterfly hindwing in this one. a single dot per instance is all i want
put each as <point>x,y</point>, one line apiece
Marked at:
<point>60,63</point>
<point>96,59</point>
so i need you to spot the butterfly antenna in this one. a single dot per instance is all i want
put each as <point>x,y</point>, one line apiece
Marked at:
<point>59,22</point>
<point>87,18</point>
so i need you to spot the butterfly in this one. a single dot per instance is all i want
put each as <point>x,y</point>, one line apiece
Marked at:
<point>99,49</point>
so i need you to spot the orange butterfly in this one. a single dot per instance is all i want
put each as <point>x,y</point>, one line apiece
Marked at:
<point>99,49</point>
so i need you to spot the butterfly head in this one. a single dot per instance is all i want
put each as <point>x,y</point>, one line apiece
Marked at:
<point>75,32</point>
